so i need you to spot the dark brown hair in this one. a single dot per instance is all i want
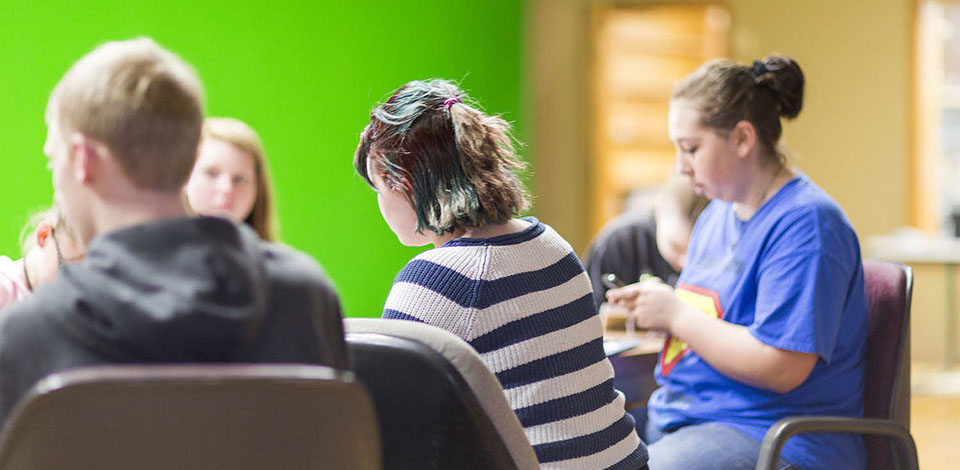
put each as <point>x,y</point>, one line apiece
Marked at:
<point>459,163</point>
<point>726,93</point>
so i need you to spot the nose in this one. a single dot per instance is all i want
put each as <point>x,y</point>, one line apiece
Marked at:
<point>223,184</point>
<point>683,165</point>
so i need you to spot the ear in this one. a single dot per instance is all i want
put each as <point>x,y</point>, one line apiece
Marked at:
<point>88,156</point>
<point>43,233</point>
<point>397,183</point>
<point>744,138</point>
<point>404,184</point>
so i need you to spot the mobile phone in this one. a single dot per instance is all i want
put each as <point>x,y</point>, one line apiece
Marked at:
<point>612,281</point>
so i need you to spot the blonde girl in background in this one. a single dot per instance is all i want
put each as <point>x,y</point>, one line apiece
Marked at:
<point>230,178</point>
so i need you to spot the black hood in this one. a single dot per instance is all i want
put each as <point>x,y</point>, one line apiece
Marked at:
<point>188,290</point>
<point>175,290</point>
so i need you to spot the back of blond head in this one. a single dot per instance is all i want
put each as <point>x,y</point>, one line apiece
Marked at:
<point>143,102</point>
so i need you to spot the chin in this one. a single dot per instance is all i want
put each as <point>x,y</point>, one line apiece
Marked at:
<point>222,213</point>
<point>413,239</point>
<point>419,241</point>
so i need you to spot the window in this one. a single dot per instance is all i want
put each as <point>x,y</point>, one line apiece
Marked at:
<point>637,54</point>
<point>936,179</point>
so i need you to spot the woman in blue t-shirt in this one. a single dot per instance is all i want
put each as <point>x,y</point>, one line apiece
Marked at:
<point>769,315</point>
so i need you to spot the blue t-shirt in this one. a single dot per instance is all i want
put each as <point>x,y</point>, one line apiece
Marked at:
<point>793,275</point>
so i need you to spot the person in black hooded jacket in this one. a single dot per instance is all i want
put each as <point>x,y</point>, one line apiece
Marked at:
<point>157,286</point>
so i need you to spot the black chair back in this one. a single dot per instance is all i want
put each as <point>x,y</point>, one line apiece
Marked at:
<point>429,416</point>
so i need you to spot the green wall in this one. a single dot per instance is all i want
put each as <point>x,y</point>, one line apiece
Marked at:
<point>303,73</point>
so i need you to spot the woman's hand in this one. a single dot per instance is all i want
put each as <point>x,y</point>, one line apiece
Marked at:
<point>652,304</point>
<point>727,347</point>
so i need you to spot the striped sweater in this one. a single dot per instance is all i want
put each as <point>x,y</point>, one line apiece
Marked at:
<point>524,302</point>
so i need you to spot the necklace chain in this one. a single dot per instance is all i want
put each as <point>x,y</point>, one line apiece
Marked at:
<point>737,208</point>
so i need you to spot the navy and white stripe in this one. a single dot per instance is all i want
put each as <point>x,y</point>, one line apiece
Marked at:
<point>524,302</point>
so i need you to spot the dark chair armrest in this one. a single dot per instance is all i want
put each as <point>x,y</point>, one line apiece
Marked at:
<point>782,430</point>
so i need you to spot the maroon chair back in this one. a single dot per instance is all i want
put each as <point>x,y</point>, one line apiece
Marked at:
<point>886,394</point>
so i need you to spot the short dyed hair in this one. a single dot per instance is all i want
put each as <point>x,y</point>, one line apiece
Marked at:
<point>262,217</point>
<point>726,93</point>
<point>460,164</point>
<point>143,102</point>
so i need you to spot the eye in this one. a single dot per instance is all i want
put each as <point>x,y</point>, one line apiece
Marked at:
<point>240,180</point>
<point>211,172</point>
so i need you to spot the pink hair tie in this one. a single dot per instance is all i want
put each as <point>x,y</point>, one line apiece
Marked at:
<point>449,102</point>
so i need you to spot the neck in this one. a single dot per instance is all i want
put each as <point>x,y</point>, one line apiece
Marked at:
<point>22,269</point>
<point>768,180</point>
<point>487,231</point>
<point>141,208</point>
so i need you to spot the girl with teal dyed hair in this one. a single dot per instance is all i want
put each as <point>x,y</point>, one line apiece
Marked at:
<point>445,174</point>
<point>455,163</point>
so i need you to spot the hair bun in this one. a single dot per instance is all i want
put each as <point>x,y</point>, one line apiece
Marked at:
<point>784,77</point>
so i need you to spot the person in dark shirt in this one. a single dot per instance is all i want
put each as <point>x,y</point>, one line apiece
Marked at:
<point>646,242</point>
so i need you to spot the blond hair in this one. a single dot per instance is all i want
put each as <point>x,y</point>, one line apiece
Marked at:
<point>140,100</point>
<point>240,135</point>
